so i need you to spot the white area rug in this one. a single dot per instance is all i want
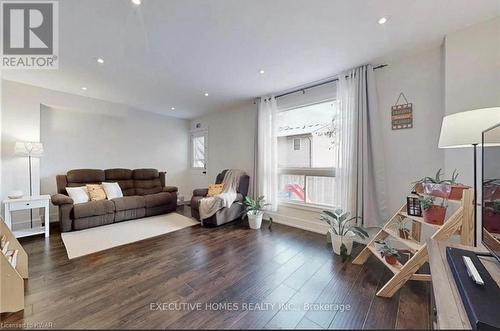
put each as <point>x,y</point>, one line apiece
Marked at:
<point>88,241</point>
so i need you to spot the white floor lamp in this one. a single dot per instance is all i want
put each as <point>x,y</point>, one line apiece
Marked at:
<point>29,149</point>
<point>465,129</point>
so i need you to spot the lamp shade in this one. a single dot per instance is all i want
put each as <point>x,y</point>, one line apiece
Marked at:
<point>26,148</point>
<point>465,129</point>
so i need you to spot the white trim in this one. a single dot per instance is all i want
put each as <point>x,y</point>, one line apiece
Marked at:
<point>300,223</point>
<point>307,104</point>
<point>305,206</point>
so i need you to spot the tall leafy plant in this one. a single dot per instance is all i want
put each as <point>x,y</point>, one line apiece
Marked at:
<point>254,206</point>
<point>342,225</point>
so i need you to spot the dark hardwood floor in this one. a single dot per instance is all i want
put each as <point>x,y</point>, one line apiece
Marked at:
<point>225,277</point>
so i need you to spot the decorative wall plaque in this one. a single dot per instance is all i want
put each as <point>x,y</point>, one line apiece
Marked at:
<point>402,114</point>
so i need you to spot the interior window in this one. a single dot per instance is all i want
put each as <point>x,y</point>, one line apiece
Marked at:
<point>199,150</point>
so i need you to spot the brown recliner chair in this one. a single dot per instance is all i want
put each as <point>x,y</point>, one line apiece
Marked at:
<point>144,194</point>
<point>224,215</point>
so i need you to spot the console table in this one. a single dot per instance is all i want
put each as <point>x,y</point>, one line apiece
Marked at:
<point>448,310</point>
<point>27,203</point>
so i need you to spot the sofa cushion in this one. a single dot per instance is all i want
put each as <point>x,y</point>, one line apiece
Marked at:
<point>93,208</point>
<point>158,199</point>
<point>123,177</point>
<point>147,186</point>
<point>131,202</point>
<point>84,176</point>
<point>141,174</point>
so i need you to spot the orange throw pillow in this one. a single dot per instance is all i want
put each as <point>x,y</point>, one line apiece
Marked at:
<point>96,192</point>
<point>214,189</point>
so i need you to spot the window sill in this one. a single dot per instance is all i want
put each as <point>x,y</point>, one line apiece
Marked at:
<point>309,207</point>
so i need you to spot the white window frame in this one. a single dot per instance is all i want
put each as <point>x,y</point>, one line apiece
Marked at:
<point>317,172</point>
<point>195,134</point>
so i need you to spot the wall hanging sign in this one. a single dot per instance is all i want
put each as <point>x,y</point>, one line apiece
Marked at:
<point>402,114</point>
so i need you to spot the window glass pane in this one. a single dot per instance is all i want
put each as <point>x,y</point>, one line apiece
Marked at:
<point>291,188</point>
<point>320,190</point>
<point>199,152</point>
<point>306,136</point>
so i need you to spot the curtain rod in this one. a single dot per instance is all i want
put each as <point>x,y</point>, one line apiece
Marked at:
<point>303,89</point>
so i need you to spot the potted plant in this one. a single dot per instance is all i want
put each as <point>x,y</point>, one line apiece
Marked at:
<point>379,244</point>
<point>457,189</point>
<point>441,188</point>
<point>342,231</point>
<point>390,254</point>
<point>404,232</point>
<point>432,213</point>
<point>254,209</point>
<point>434,186</point>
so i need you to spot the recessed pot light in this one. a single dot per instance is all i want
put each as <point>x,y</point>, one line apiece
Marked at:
<point>173,108</point>
<point>100,60</point>
<point>261,71</point>
<point>84,88</point>
<point>136,2</point>
<point>206,94</point>
<point>382,20</point>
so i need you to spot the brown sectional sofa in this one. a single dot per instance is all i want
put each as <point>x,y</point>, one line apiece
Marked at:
<point>144,194</point>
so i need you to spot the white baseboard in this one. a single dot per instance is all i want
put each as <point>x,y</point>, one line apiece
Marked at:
<point>299,223</point>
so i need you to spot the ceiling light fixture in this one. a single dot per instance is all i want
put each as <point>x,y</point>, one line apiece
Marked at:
<point>84,88</point>
<point>261,71</point>
<point>173,108</point>
<point>136,2</point>
<point>206,94</point>
<point>382,20</point>
<point>100,60</point>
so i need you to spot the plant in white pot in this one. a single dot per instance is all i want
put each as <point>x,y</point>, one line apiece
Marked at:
<point>342,231</point>
<point>254,210</point>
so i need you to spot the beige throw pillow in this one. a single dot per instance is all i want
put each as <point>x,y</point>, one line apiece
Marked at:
<point>214,189</point>
<point>96,192</point>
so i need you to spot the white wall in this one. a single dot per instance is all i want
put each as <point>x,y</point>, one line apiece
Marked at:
<point>411,154</point>
<point>231,141</point>
<point>472,74</point>
<point>472,81</point>
<point>80,132</point>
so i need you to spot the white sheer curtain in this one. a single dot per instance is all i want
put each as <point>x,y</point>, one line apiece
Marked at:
<point>360,180</point>
<point>266,183</point>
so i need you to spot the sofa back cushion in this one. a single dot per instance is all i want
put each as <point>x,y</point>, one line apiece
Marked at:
<point>82,177</point>
<point>123,177</point>
<point>242,187</point>
<point>146,181</point>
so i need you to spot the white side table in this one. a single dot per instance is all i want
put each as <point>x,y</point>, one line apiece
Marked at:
<point>27,203</point>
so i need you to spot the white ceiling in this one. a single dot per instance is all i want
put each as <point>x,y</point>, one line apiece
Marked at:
<point>166,54</point>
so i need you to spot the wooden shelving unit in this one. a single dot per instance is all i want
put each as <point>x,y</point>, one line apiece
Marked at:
<point>460,221</point>
<point>12,279</point>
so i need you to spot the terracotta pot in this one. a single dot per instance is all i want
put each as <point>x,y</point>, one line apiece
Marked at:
<point>419,188</point>
<point>434,215</point>
<point>491,222</point>
<point>404,234</point>
<point>392,260</point>
<point>437,190</point>
<point>457,191</point>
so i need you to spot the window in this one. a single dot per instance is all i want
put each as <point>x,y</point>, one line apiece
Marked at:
<point>307,154</point>
<point>296,144</point>
<point>199,149</point>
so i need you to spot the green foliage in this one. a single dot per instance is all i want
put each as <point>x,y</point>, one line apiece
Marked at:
<point>437,178</point>
<point>252,206</point>
<point>389,251</point>
<point>341,224</point>
<point>426,202</point>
